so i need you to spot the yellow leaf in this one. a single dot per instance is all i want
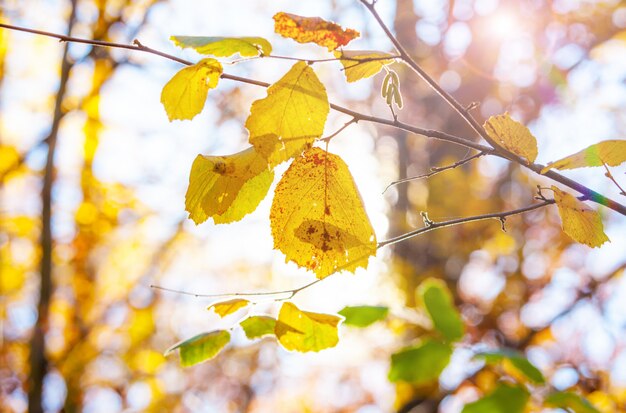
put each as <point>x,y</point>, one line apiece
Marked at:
<point>225,46</point>
<point>184,95</point>
<point>357,64</point>
<point>313,30</point>
<point>512,136</point>
<point>580,222</point>
<point>291,117</point>
<point>226,188</point>
<point>9,158</point>
<point>611,152</point>
<point>317,216</point>
<point>303,331</point>
<point>225,308</point>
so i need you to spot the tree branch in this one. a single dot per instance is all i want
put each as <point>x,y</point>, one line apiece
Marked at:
<point>435,170</point>
<point>588,194</point>
<point>431,225</point>
<point>465,114</point>
<point>287,293</point>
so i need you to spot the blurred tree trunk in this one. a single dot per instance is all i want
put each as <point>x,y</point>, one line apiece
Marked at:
<point>38,358</point>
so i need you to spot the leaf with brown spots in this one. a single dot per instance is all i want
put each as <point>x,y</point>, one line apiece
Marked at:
<point>317,217</point>
<point>226,188</point>
<point>313,30</point>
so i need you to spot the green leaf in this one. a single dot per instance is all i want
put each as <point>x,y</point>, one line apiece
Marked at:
<point>506,398</point>
<point>200,348</point>
<point>303,331</point>
<point>437,300</point>
<point>225,46</point>
<point>363,315</point>
<point>258,326</point>
<point>571,401</point>
<point>517,360</point>
<point>183,97</point>
<point>224,308</point>
<point>420,364</point>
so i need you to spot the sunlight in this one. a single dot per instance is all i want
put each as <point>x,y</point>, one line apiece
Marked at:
<point>504,25</point>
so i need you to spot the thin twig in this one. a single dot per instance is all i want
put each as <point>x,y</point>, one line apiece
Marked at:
<point>609,175</point>
<point>288,293</point>
<point>435,170</point>
<point>338,131</point>
<point>587,193</point>
<point>431,225</point>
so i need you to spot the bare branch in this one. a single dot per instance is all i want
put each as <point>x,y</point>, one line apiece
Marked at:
<point>287,293</point>
<point>435,170</point>
<point>430,225</point>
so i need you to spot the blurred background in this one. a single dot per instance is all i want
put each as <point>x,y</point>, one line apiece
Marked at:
<point>89,332</point>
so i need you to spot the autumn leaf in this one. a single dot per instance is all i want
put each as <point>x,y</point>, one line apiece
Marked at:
<point>506,398</point>
<point>580,222</point>
<point>258,326</point>
<point>361,64</point>
<point>225,46</point>
<point>317,217</point>
<point>512,136</point>
<point>291,117</point>
<point>420,364</point>
<point>9,159</point>
<point>225,308</point>
<point>185,94</point>
<point>200,348</point>
<point>571,402</point>
<point>517,361</point>
<point>363,315</point>
<point>303,331</point>
<point>226,188</point>
<point>313,30</point>
<point>611,153</point>
<point>437,300</point>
